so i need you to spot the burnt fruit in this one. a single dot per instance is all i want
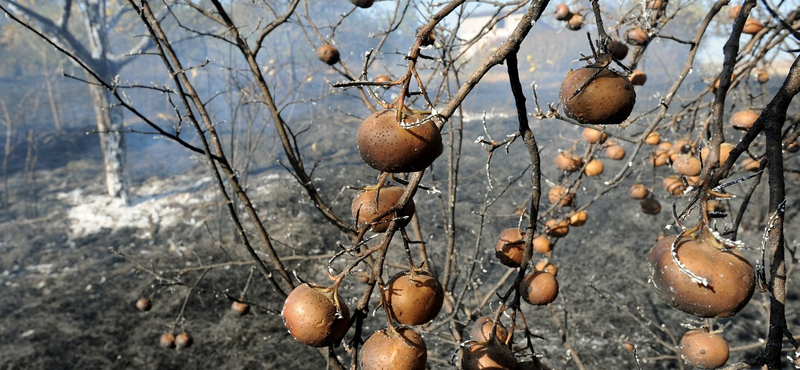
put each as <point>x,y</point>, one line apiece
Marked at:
<point>143,304</point>
<point>414,297</point>
<point>388,146</point>
<point>606,99</point>
<point>704,350</point>
<point>328,54</point>
<point>539,288</point>
<point>370,203</point>
<point>487,355</point>
<point>315,316</point>
<point>482,330</point>
<point>401,349</point>
<point>510,247</point>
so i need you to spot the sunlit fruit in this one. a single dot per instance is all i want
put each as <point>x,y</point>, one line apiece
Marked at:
<point>482,330</point>
<point>316,316</point>
<point>328,54</point>
<point>414,297</point>
<point>577,218</point>
<point>628,346</point>
<point>183,340</point>
<point>607,99</point>
<point>560,195</point>
<point>687,165</point>
<point>575,22</point>
<point>724,152</point>
<point>401,349</point>
<point>562,12</point>
<point>704,350</point>
<point>362,3</point>
<point>752,26</point>
<point>674,185</point>
<point>388,146</point>
<point>566,161</point>
<point>793,147</point>
<point>371,203</point>
<point>539,288</point>
<point>733,11</point>
<point>717,81</point>
<point>383,79</point>
<point>744,119</point>
<point>143,304</point>
<point>636,36</point>
<point>487,355</point>
<point>546,266</point>
<point>593,168</point>
<point>650,206</point>
<point>240,308</point>
<point>638,191</point>
<point>618,49</point>
<point>615,152</point>
<point>653,138</point>
<point>751,164</point>
<point>729,277</point>
<point>167,340</point>
<point>542,244</point>
<point>762,76</point>
<point>510,246</point>
<point>638,77</point>
<point>659,158</point>
<point>556,228</point>
<point>594,136</point>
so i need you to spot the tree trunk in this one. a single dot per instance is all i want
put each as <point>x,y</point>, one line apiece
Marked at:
<point>112,143</point>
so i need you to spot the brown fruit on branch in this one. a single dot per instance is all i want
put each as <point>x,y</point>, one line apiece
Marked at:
<point>315,316</point>
<point>636,36</point>
<point>762,76</point>
<point>744,119</point>
<point>704,350</point>
<point>653,138</point>
<point>618,49</point>
<point>724,152</point>
<point>752,26</point>
<point>556,228</point>
<point>751,164</point>
<point>654,4</point>
<point>414,297</point>
<point>650,206</point>
<point>387,146</point>
<point>561,196</point>
<point>240,308</point>
<point>593,136</point>
<point>615,152</point>
<point>594,168</point>
<point>539,288</point>
<point>541,244</point>
<point>510,246</point>
<point>566,161</point>
<point>143,304</point>
<point>575,22</point>
<point>482,329</point>
<point>562,12</point>
<point>639,191</point>
<point>401,349</point>
<point>607,99</point>
<point>546,266</point>
<point>371,203</point>
<point>487,355</point>
<point>674,185</point>
<point>734,10</point>
<point>328,54</point>
<point>426,40</point>
<point>729,277</point>
<point>362,3</point>
<point>183,340</point>
<point>638,77</point>
<point>577,218</point>
<point>687,165</point>
<point>167,340</point>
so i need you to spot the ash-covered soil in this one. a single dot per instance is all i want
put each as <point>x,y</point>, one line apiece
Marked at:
<point>73,261</point>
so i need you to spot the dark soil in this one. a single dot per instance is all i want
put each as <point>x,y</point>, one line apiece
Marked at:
<point>70,277</point>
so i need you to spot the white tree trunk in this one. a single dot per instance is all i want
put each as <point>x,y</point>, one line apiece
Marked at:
<point>112,142</point>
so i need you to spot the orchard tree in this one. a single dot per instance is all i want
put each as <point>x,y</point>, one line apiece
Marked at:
<point>411,136</point>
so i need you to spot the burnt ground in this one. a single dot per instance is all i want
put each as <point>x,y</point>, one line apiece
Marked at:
<point>73,262</point>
